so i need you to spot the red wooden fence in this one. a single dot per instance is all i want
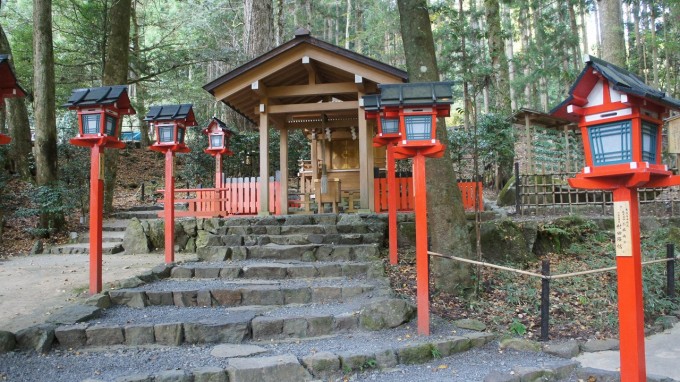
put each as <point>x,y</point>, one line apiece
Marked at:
<point>405,199</point>
<point>238,196</point>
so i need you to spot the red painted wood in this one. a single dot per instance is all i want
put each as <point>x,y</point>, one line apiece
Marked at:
<point>631,314</point>
<point>468,190</point>
<point>169,202</point>
<point>393,193</point>
<point>422,258</point>
<point>96,212</point>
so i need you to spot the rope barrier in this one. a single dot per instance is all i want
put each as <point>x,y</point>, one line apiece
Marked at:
<point>553,277</point>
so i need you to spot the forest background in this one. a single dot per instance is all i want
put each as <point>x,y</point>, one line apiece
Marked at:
<point>502,56</point>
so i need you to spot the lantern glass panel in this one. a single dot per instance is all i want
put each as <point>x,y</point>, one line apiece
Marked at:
<point>418,127</point>
<point>216,141</point>
<point>649,131</point>
<point>389,125</point>
<point>165,134</point>
<point>180,135</point>
<point>610,143</point>
<point>90,123</point>
<point>111,123</point>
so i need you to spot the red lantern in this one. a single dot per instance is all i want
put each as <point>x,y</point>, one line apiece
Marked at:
<point>170,123</point>
<point>8,88</point>
<point>100,111</point>
<point>219,136</point>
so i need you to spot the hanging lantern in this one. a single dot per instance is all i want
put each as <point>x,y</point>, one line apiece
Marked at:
<point>219,136</point>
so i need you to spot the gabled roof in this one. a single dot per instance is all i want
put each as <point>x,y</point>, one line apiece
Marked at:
<point>105,95</point>
<point>303,36</point>
<point>221,125</point>
<point>8,80</point>
<point>182,112</point>
<point>620,79</point>
<point>292,65</point>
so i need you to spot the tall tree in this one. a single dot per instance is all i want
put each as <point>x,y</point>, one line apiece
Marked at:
<point>499,62</point>
<point>115,73</point>
<point>43,93</point>
<point>448,228</point>
<point>612,32</point>
<point>259,32</point>
<point>17,121</point>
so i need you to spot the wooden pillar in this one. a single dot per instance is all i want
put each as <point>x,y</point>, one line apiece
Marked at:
<point>567,149</point>
<point>529,148</point>
<point>96,212</point>
<point>169,207</point>
<point>283,158</point>
<point>264,158</point>
<point>365,144</point>
<point>315,161</point>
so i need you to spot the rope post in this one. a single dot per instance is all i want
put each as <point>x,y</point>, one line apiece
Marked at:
<point>142,191</point>
<point>545,299</point>
<point>670,271</point>
<point>518,204</point>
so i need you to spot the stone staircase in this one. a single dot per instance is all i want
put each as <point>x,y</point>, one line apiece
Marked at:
<point>296,298</point>
<point>113,231</point>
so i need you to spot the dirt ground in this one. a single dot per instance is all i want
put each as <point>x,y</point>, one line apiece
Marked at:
<point>32,287</point>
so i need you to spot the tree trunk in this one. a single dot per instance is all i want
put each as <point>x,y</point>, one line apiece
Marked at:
<point>614,48</point>
<point>140,89</point>
<point>655,45</point>
<point>259,21</point>
<point>526,37</point>
<point>43,93</point>
<point>16,120</point>
<point>348,19</point>
<point>115,73</point>
<point>464,69</point>
<point>448,228</point>
<point>576,56</point>
<point>499,63</point>
<point>638,41</point>
<point>584,30</point>
<point>44,104</point>
<point>510,54</point>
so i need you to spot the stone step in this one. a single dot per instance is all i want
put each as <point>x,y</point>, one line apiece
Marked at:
<point>329,358</point>
<point>275,270</point>
<point>136,214</point>
<point>171,326</point>
<point>319,229</point>
<point>310,252</point>
<point>217,292</point>
<point>107,237</point>
<point>108,248</point>
<point>295,239</point>
<point>115,225</point>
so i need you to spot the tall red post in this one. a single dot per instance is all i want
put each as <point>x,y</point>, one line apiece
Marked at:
<point>422,259</point>
<point>393,195</point>
<point>218,170</point>
<point>96,220</point>
<point>629,273</point>
<point>169,209</point>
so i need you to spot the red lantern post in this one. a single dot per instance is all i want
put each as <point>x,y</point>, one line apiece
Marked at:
<point>219,136</point>
<point>417,107</point>
<point>170,123</point>
<point>99,113</point>
<point>388,135</point>
<point>8,88</point>
<point>620,119</point>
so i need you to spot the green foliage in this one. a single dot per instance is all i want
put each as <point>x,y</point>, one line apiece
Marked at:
<point>436,353</point>
<point>50,202</point>
<point>369,364</point>
<point>517,328</point>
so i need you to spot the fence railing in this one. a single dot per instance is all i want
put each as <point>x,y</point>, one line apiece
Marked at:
<point>546,277</point>
<point>543,194</point>
<point>238,196</point>
<point>406,201</point>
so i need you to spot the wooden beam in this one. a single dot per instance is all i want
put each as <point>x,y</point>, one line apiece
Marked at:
<point>311,69</point>
<point>259,88</point>
<point>264,161</point>
<point>359,81</point>
<point>313,107</point>
<point>314,124</point>
<point>311,90</point>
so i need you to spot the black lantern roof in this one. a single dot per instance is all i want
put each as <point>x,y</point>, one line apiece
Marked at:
<point>371,102</point>
<point>620,79</point>
<point>8,79</point>
<point>416,94</point>
<point>105,95</point>
<point>223,126</point>
<point>181,112</point>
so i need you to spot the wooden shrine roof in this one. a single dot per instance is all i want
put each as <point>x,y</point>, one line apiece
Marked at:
<point>541,119</point>
<point>302,78</point>
<point>8,81</point>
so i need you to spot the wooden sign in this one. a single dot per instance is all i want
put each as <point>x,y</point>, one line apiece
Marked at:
<point>674,135</point>
<point>623,243</point>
